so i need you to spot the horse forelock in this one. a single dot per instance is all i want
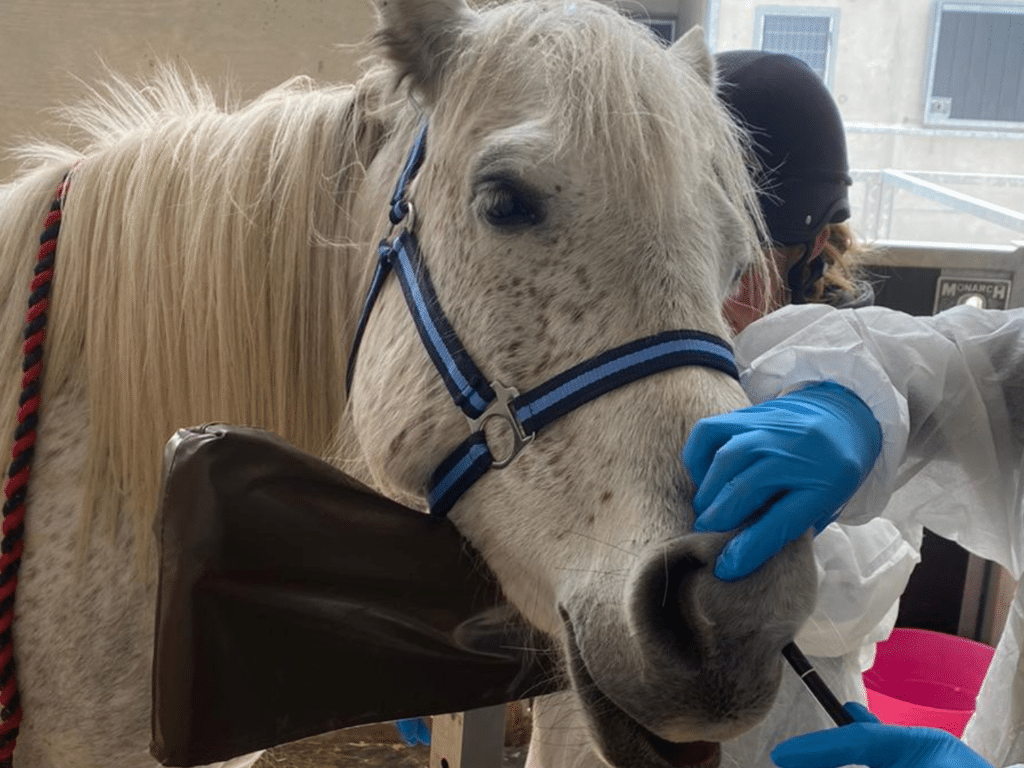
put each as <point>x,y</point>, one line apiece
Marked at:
<point>202,268</point>
<point>644,125</point>
<point>601,83</point>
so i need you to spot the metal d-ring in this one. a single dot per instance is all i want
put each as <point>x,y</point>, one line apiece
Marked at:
<point>409,219</point>
<point>501,409</point>
<point>406,223</point>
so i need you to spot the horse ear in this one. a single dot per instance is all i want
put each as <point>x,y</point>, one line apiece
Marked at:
<point>421,37</point>
<point>692,50</point>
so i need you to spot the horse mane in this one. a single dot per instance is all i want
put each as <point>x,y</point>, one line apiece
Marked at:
<point>200,272</point>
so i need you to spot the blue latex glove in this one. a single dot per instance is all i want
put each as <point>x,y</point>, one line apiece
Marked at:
<point>868,742</point>
<point>413,730</point>
<point>799,457</point>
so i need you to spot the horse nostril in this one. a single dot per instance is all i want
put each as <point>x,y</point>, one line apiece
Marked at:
<point>677,577</point>
<point>680,615</point>
<point>664,604</point>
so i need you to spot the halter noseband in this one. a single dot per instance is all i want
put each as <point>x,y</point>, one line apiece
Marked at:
<point>482,401</point>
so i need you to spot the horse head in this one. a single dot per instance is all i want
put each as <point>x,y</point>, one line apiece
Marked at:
<point>581,188</point>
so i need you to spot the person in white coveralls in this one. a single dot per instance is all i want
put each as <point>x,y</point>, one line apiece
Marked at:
<point>931,398</point>
<point>947,393</point>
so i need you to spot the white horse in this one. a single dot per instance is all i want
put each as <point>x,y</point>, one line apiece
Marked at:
<point>581,188</point>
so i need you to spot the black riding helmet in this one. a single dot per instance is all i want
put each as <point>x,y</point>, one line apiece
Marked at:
<point>800,146</point>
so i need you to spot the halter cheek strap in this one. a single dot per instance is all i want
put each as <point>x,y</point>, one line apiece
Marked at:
<point>398,210</point>
<point>481,400</point>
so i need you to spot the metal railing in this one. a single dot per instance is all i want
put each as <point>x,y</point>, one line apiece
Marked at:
<point>881,186</point>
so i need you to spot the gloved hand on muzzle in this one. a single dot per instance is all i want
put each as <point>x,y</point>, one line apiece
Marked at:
<point>868,742</point>
<point>779,468</point>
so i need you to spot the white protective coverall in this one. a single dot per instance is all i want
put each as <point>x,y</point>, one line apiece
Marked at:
<point>948,391</point>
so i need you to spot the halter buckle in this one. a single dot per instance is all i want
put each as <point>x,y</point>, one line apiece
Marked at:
<point>501,409</point>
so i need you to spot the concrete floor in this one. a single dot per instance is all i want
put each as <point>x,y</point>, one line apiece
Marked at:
<point>337,751</point>
<point>378,746</point>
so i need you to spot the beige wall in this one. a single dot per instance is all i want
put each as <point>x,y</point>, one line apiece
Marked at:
<point>879,81</point>
<point>251,44</point>
<point>881,56</point>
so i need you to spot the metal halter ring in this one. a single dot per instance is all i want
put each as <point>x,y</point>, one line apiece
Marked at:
<point>501,409</point>
<point>408,219</point>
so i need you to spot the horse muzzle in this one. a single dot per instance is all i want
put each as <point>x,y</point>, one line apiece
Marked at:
<point>624,742</point>
<point>685,661</point>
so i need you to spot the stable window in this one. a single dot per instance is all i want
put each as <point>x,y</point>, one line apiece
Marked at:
<point>976,77</point>
<point>807,33</point>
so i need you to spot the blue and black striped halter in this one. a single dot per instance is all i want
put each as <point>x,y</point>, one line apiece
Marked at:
<point>482,400</point>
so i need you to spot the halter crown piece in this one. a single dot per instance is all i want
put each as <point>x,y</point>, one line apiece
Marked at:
<point>481,400</point>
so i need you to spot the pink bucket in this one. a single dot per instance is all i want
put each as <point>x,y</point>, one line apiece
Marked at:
<point>926,678</point>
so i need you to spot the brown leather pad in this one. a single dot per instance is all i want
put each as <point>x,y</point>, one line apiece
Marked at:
<point>294,601</point>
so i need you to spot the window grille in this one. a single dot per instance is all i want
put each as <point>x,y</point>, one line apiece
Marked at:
<point>807,34</point>
<point>977,70</point>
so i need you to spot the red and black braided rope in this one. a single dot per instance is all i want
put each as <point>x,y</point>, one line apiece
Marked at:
<point>16,487</point>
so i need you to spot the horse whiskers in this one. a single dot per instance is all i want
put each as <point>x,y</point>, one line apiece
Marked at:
<point>602,542</point>
<point>664,594</point>
<point>612,572</point>
<point>732,760</point>
<point>566,714</point>
<point>818,627</point>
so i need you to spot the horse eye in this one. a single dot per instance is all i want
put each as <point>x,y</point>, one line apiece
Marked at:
<point>508,206</point>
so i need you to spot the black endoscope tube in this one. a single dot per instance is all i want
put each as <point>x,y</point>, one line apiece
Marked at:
<point>816,685</point>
